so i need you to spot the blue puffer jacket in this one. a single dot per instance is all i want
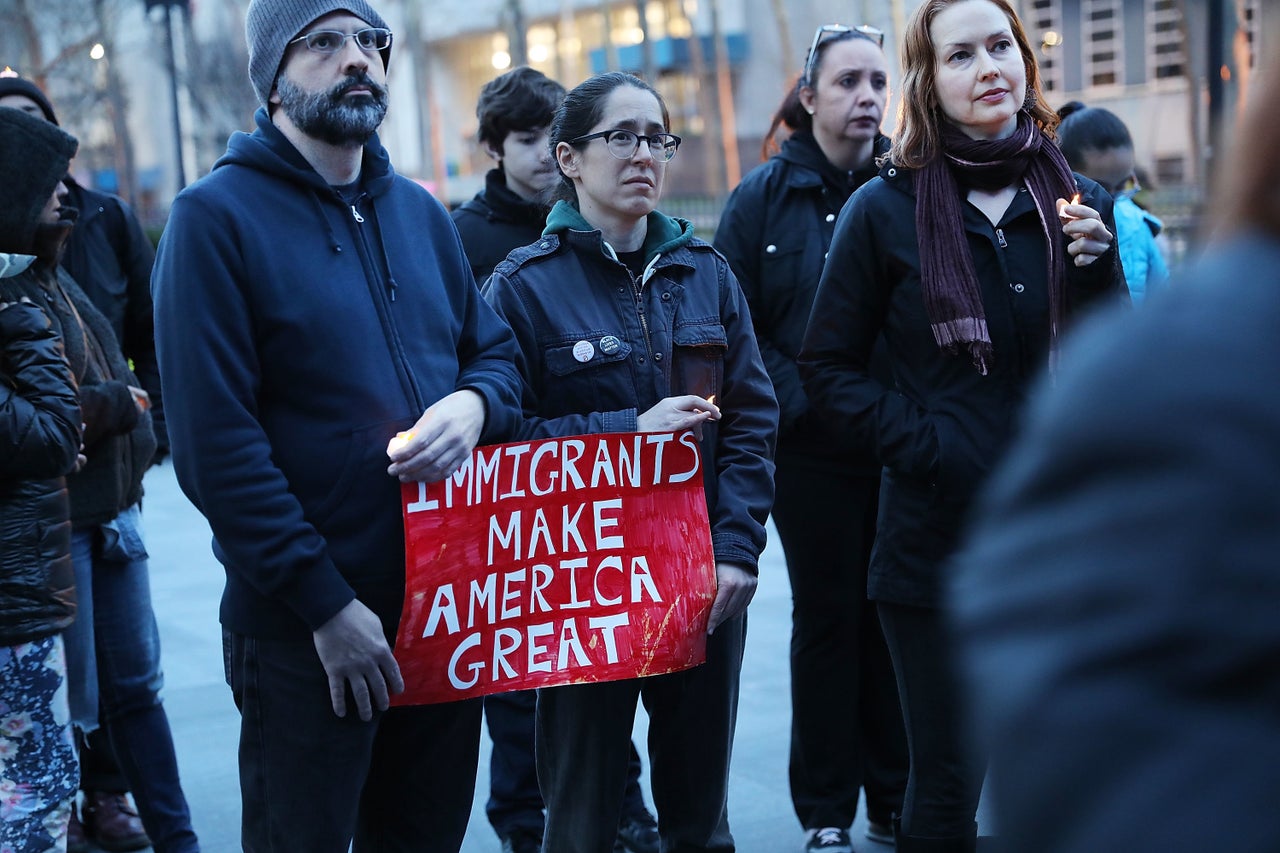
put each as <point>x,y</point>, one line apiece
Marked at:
<point>682,328</point>
<point>296,334</point>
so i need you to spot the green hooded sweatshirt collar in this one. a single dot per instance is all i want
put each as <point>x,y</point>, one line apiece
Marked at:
<point>665,233</point>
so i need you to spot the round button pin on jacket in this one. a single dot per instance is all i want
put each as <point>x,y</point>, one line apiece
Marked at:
<point>583,351</point>
<point>609,344</point>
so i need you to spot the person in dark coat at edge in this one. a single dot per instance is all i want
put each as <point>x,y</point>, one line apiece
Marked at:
<point>969,257</point>
<point>775,232</point>
<point>626,322</point>
<point>110,257</point>
<point>514,112</point>
<point>1116,601</point>
<point>113,646</point>
<point>310,305</point>
<point>39,442</point>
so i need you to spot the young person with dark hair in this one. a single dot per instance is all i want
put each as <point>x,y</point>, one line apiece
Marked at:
<point>969,254</point>
<point>1097,144</point>
<point>515,111</point>
<point>625,322</point>
<point>775,232</point>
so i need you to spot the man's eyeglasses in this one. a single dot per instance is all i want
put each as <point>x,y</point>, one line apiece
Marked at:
<point>839,30</point>
<point>369,40</point>
<point>623,144</point>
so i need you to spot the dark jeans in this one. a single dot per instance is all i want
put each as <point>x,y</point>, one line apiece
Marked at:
<point>945,782</point>
<point>313,781</point>
<point>583,733</point>
<point>111,563</point>
<point>846,723</point>
<point>515,802</point>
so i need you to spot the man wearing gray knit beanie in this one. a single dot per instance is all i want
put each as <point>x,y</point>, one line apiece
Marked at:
<point>310,304</point>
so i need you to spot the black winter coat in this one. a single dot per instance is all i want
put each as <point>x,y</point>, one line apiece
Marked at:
<point>495,222</point>
<point>775,231</point>
<point>118,440</point>
<point>39,439</point>
<point>110,258</point>
<point>941,426</point>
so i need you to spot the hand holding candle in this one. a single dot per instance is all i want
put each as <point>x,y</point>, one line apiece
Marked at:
<point>673,414</point>
<point>440,441</point>
<point>1090,238</point>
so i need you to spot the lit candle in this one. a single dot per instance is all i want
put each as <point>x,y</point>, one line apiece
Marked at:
<point>398,441</point>
<point>1062,207</point>
<point>712,399</point>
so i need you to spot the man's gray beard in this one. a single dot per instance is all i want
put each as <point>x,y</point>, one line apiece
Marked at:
<point>331,117</point>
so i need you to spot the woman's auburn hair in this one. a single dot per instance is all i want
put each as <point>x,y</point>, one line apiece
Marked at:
<point>918,137</point>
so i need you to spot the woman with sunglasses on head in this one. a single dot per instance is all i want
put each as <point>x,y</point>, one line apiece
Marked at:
<point>1097,143</point>
<point>775,231</point>
<point>968,255</point>
<point>626,322</point>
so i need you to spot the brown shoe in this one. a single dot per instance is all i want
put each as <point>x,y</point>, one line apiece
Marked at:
<point>77,841</point>
<point>112,822</point>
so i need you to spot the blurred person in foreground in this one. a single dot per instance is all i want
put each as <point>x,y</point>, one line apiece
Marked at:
<point>39,439</point>
<point>971,254</point>
<point>110,258</point>
<point>310,305</point>
<point>514,112</point>
<point>1096,143</point>
<point>1116,603</point>
<point>775,231</point>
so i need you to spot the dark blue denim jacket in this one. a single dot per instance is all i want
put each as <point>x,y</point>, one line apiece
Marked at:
<point>597,345</point>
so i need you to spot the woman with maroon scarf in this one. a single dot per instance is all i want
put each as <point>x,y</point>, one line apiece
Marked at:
<point>969,254</point>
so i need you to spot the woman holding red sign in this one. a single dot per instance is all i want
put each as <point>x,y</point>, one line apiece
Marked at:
<point>627,323</point>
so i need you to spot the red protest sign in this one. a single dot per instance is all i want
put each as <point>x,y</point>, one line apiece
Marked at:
<point>559,561</point>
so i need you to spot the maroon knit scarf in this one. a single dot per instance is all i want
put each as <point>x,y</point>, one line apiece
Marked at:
<point>952,295</point>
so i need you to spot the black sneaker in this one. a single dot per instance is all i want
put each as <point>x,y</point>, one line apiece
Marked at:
<point>828,839</point>
<point>638,833</point>
<point>522,841</point>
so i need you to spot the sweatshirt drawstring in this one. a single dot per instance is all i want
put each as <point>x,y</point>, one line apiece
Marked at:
<point>330,234</point>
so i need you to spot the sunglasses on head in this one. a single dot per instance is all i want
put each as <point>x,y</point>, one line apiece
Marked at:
<point>820,35</point>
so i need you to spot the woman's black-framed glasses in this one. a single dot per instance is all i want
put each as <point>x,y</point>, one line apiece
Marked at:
<point>865,31</point>
<point>623,144</point>
<point>369,40</point>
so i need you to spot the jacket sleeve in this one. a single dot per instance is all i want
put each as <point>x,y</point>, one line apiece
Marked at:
<point>139,345</point>
<point>486,360</point>
<point>745,436</point>
<point>505,297</point>
<point>221,454</point>
<point>108,410</point>
<point>739,237</point>
<point>1101,282</point>
<point>848,314</point>
<point>39,410</point>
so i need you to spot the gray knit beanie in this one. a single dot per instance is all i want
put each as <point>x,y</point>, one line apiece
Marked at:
<point>270,25</point>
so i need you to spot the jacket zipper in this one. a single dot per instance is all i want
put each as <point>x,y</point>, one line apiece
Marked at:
<point>384,314</point>
<point>1000,238</point>
<point>637,290</point>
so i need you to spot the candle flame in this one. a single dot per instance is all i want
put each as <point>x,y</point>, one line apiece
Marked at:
<point>712,399</point>
<point>398,441</point>
<point>1075,199</point>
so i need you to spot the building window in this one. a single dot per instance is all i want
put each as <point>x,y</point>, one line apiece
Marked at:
<point>1046,29</point>
<point>1249,19</point>
<point>1171,171</point>
<point>1103,38</point>
<point>1165,55</point>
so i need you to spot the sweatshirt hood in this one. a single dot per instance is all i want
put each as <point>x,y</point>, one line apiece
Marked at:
<point>268,150</point>
<point>664,233</point>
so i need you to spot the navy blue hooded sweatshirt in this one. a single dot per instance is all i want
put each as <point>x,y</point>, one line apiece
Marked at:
<point>296,335</point>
